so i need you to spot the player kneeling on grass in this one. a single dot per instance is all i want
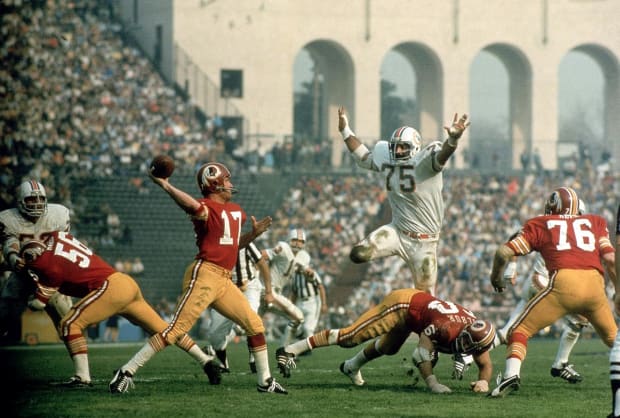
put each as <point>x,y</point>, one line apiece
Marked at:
<point>442,326</point>
<point>63,264</point>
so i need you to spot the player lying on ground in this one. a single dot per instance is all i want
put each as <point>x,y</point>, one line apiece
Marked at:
<point>442,326</point>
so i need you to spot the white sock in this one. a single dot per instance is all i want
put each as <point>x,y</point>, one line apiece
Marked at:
<point>513,367</point>
<point>298,347</point>
<point>567,342</point>
<point>200,356</point>
<point>80,363</point>
<point>357,361</point>
<point>261,359</point>
<point>139,359</point>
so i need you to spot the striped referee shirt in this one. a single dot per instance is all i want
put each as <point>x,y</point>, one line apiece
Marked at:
<point>245,268</point>
<point>305,287</point>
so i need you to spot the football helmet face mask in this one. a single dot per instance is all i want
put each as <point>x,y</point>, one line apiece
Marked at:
<point>212,177</point>
<point>31,199</point>
<point>404,144</point>
<point>31,250</point>
<point>297,239</point>
<point>475,338</point>
<point>562,201</point>
<point>582,207</point>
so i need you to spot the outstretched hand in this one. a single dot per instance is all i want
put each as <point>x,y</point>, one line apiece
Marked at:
<point>458,126</point>
<point>343,122</point>
<point>258,227</point>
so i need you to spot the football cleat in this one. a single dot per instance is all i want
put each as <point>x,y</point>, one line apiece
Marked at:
<point>567,373</point>
<point>121,382</point>
<point>505,386</point>
<point>461,365</point>
<point>354,375</point>
<point>272,387</point>
<point>76,382</point>
<point>286,362</point>
<point>213,369</point>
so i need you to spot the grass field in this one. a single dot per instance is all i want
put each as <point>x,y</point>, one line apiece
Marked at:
<point>172,384</point>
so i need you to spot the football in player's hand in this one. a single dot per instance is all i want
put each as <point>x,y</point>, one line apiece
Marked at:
<point>162,166</point>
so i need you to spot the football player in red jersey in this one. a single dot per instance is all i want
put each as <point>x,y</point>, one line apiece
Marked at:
<point>572,246</point>
<point>614,355</point>
<point>442,326</point>
<point>208,279</point>
<point>63,264</point>
<point>32,218</point>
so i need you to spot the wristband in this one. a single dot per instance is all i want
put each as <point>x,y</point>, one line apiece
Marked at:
<point>618,221</point>
<point>347,132</point>
<point>361,151</point>
<point>453,142</point>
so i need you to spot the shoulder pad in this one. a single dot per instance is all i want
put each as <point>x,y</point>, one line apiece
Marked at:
<point>380,154</point>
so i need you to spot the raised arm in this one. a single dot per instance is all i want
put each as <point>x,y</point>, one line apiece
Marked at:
<point>185,201</point>
<point>359,151</point>
<point>455,131</point>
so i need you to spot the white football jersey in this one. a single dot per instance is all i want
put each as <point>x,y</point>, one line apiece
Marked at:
<point>414,189</point>
<point>283,263</point>
<point>56,218</point>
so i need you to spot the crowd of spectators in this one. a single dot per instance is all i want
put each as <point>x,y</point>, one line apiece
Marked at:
<point>80,103</point>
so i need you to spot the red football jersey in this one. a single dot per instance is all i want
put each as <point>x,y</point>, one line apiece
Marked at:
<point>70,266</point>
<point>440,320</point>
<point>218,237</point>
<point>564,241</point>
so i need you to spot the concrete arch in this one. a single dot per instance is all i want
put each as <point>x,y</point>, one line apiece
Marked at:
<point>609,65</point>
<point>429,87</point>
<point>262,39</point>
<point>519,121</point>
<point>336,66</point>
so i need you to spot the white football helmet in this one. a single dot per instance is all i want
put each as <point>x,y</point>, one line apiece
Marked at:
<point>404,144</point>
<point>297,239</point>
<point>31,199</point>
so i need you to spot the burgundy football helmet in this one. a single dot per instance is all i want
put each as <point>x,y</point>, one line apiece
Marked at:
<point>211,178</point>
<point>31,250</point>
<point>562,201</point>
<point>475,338</point>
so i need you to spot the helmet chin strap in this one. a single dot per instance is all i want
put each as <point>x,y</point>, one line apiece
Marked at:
<point>231,190</point>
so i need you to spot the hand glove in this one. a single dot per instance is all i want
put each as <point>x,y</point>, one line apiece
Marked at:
<point>481,386</point>
<point>435,386</point>
<point>36,305</point>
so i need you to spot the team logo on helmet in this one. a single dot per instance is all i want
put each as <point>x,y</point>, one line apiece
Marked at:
<point>404,143</point>
<point>562,201</point>
<point>211,178</point>
<point>475,338</point>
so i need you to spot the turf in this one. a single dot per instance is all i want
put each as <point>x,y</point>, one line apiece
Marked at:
<point>172,384</point>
